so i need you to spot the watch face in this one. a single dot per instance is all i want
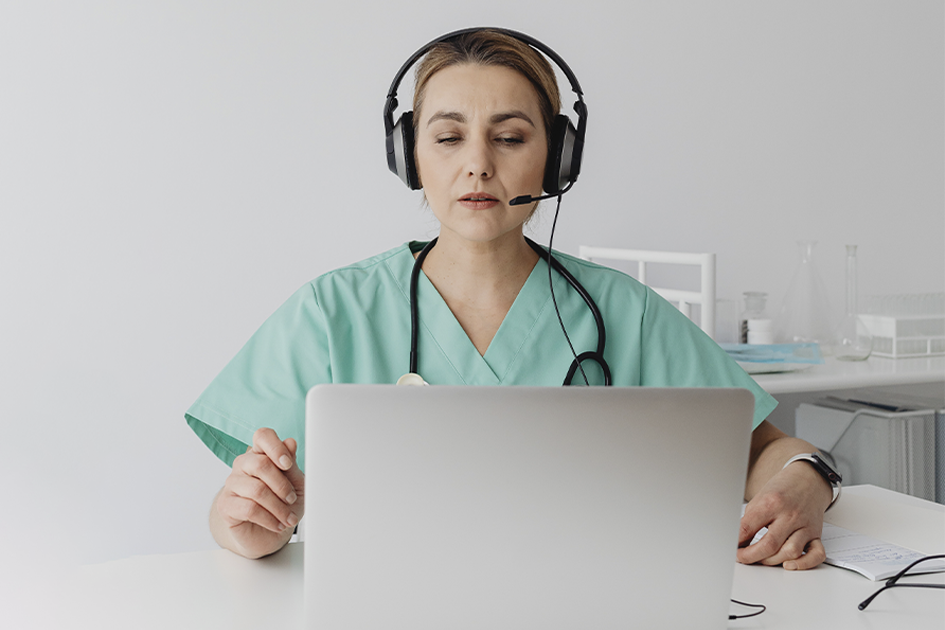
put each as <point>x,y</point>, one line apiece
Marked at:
<point>829,473</point>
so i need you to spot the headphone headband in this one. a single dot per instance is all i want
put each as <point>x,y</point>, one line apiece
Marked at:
<point>528,39</point>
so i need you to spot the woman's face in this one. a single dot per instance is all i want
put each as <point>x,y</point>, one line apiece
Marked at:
<point>480,142</point>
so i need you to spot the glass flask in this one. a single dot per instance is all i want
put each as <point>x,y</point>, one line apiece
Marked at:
<point>853,341</point>
<point>805,313</point>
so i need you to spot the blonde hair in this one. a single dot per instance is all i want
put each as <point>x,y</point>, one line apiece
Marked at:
<point>492,48</point>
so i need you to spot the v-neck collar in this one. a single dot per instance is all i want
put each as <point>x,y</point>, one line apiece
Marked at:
<point>452,341</point>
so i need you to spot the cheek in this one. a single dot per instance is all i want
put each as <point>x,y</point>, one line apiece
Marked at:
<point>537,170</point>
<point>428,167</point>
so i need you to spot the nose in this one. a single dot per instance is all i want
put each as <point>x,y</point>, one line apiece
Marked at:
<point>480,159</point>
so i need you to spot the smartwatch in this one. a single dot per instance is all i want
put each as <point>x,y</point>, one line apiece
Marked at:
<point>829,474</point>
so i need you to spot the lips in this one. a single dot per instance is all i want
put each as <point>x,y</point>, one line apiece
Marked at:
<point>478,201</point>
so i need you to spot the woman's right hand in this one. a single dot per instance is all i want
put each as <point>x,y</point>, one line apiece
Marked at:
<point>262,500</point>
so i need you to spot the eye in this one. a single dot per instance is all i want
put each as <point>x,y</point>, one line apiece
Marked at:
<point>511,140</point>
<point>448,140</point>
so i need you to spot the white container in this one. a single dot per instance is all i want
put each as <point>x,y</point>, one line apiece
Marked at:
<point>902,336</point>
<point>760,331</point>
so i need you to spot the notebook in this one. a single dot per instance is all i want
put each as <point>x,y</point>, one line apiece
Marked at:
<point>519,507</point>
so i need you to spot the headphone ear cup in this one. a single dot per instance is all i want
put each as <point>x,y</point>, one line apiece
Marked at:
<point>563,165</point>
<point>400,148</point>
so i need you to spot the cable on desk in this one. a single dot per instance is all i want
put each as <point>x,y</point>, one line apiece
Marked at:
<point>754,614</point>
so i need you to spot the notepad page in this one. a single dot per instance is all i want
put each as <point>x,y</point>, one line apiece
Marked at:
<point>872,558</point>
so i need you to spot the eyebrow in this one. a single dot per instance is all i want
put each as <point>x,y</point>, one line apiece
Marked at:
<point>515,113</point>
<point>456,116</point>
<point>495,119</point>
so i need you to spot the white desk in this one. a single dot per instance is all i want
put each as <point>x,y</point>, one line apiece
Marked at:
<point>874,372</point>
<point>827,597</point>
<point>216,589</point>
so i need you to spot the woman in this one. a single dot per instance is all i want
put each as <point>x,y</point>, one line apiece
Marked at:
<point>485,105</point>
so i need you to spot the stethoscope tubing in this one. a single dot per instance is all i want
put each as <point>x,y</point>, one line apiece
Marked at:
<point>414,314</point>
<point>594,355</point>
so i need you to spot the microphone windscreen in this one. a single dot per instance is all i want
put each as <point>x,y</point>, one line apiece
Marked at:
<point>522,199</point>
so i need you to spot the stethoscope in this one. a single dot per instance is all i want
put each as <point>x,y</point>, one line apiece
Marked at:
<point>591,355</point>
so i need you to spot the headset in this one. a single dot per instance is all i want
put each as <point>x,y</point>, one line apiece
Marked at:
<point>565,149</point>
<point>566,144</point>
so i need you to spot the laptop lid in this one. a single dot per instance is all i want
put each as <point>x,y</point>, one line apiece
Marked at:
<point>519,507</point>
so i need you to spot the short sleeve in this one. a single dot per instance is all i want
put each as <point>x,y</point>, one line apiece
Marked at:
<point>266,382</point>
<point>677,353</point>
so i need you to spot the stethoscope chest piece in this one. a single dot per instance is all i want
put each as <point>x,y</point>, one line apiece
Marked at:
<point>411,378</point>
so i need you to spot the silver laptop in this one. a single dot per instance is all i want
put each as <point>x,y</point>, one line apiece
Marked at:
<point>432,508</point>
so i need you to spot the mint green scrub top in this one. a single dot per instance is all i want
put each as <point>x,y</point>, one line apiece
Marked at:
<point>352,325</point>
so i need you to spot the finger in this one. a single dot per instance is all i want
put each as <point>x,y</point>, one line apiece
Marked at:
<point>815,555</point>
<point>266,441</point>
<point>261,467</point>
<point>753,520</point>
<point>768,546</point>
<point>253,489</point>
<point>237,510</point>
<point>791,549</point>
<point>295,474</point>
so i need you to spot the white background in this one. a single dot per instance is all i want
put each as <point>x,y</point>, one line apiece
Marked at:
<point>171,171</point>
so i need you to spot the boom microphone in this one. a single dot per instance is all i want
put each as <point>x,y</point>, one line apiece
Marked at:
<point>523,199</point>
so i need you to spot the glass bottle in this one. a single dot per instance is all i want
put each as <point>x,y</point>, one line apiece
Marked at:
<point>853,341</point>
<point>805,314</point>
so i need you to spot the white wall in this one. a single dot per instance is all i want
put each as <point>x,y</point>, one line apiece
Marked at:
<point>171,171</point>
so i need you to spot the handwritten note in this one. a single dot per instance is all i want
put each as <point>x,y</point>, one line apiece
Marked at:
<point>875,559</point>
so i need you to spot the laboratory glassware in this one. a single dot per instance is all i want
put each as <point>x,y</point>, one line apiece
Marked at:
<point>805,314</point>
<point>727,324</point>
<point>853,341</point>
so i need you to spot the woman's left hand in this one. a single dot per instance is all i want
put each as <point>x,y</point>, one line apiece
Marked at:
<point>791,505</point>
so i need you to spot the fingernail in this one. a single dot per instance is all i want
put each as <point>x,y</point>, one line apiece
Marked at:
<point>293,519</point>
<point>790,566</point>
<point>285,462</point>
<point>281,527</point>
<point>291,498</point>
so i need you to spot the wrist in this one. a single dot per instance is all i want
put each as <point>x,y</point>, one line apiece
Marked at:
<point>812,466</point>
